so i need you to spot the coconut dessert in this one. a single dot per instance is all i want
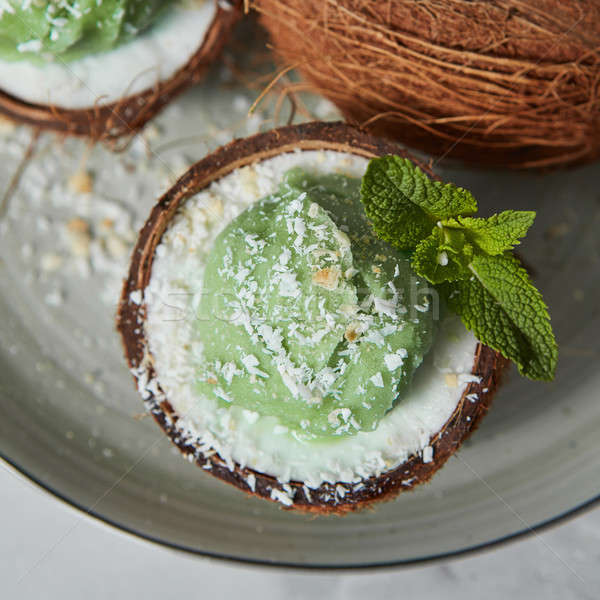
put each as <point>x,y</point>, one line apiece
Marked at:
<point>285,347</point>
<point>103,69</point>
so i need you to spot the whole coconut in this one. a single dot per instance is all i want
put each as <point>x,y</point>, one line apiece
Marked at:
<point>500,82</point>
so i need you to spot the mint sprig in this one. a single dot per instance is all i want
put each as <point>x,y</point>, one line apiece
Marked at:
<point>469,258</point>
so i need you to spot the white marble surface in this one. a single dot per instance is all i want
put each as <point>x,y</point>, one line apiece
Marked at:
<point>48,550</point>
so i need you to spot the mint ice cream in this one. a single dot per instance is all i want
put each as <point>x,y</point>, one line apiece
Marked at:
<point>306,316</point>
<point>46,30</point>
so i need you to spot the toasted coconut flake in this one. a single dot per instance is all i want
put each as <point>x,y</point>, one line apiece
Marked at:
<point>81,183</point>
<point>327,278</point>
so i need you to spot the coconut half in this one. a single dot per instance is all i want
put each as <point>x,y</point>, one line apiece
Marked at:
<point>450,395</point>
<point>115,93</point>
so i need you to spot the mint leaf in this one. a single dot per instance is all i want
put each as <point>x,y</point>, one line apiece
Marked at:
<point>404,204</point>
<point>443,256</point>
<point>505,311</point>
<point>498,233</point>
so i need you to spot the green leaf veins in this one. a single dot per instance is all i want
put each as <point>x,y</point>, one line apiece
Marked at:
<point>497,233</point>
<point>404,204</point>
<point>505,311</point>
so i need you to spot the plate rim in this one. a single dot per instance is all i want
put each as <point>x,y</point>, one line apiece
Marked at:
<point>95,516</point>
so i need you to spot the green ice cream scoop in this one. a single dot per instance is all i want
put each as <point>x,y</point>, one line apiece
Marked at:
<point>45,30</point>
<point>306,316</point>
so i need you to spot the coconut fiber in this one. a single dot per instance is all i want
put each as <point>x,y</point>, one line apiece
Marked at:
<point>497,82</point>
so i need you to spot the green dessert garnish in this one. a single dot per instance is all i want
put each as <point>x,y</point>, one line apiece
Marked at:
<point>43,30</point>
<point>306,316</point>
<point>470,259</point>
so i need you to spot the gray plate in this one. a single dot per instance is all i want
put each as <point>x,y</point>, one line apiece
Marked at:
<point>70,416</point>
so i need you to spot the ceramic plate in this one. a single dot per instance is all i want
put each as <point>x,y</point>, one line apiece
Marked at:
<point>71,420</point>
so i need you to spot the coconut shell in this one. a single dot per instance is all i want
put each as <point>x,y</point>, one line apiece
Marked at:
<point>507,83</point>
<point>328,498</point>
<point>107,122</point>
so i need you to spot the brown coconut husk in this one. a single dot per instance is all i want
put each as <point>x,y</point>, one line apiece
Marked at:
<point>108,122</point>
<point>510,82</point>
<point>338,497</point>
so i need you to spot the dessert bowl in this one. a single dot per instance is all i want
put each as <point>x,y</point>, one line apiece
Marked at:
<point>450,393</point>
<point>115,91</point>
